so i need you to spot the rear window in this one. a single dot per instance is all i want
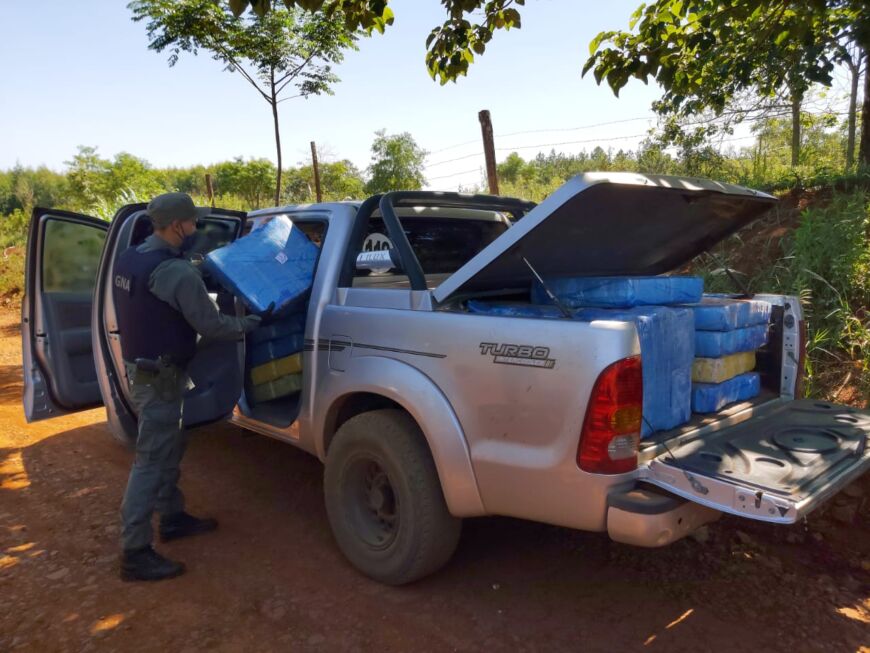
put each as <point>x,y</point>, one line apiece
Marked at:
<point>442,245</point>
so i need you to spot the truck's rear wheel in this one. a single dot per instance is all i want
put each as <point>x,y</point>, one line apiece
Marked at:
<point>384,499</point>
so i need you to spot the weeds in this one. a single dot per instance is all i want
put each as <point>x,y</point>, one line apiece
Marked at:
<point>825,261</point>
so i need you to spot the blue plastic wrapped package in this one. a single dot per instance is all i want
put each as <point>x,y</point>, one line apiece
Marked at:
<point>288,325</point>
<point>620,292</point>
<point>273,349</point>
<point>274,264</point>
<point>667,352</point>
<point>710,397</point>
<point>713,344</point>
<point>716,313</point>
<point>506,309</point>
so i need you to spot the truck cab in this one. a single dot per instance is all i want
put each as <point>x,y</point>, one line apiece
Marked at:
<point>425,413</point>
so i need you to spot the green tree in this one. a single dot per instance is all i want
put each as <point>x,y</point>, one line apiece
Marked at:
<point>276,50</point>
<point>704,53</point>
<point>397,163</point>
<point>339,180</point>
<point>185,180</point>
<point>95,182</point>
<point>23,188</point>
<point>253,180</point>
<point>86,173</point>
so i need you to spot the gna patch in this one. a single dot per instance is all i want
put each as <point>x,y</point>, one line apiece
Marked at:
<point>525,355</point>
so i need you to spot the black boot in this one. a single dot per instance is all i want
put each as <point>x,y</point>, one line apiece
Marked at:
<point>181,524</point>
<point>147,564</point>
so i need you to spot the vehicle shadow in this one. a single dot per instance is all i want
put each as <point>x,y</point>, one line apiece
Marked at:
<point>10,330</point>
<point>271,576</point>
<point>10,384</point>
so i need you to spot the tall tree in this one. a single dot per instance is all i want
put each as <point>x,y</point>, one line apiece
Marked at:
<point>280,49</point>
<point>856,64</point>
<point>704,53</point>
<point>397,163</point>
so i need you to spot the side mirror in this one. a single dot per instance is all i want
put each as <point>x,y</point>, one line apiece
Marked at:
<point>379,261</point>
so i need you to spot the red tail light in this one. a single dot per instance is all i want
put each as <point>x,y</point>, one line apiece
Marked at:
<point>611,429</point>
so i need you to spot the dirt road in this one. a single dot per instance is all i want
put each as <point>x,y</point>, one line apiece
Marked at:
<point>271,578</point>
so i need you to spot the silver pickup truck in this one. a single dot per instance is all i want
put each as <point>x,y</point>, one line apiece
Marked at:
<point>424,413</point>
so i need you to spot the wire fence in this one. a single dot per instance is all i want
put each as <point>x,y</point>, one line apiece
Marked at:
<point>479,173</point>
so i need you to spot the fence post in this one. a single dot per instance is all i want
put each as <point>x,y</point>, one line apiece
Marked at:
<point>488,150</point>
<point>209,189</point>
<point>316,172</point>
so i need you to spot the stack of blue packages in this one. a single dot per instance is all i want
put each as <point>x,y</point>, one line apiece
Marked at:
<point>726,329</point>
<point>277,340</point>
<point>666,345</point>
<point>271,265</point>
<point>620,292</point>
<point>275,358</point>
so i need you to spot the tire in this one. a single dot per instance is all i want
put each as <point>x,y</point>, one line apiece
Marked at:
<point>384,499</point>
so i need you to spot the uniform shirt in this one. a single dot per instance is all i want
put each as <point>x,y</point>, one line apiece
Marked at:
<point>179,283</point>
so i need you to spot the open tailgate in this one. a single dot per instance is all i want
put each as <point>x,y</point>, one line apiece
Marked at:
<point>775,467</point>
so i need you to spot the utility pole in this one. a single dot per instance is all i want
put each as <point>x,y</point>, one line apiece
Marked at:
<point>488,150</point>
<point>316,172</point>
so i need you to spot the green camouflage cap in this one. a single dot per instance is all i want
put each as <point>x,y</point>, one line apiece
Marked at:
<point>173,207</point>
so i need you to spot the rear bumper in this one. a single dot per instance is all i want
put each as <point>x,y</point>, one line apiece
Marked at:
<point>651,518</point>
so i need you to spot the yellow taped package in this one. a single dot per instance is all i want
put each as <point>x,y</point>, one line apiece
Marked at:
<point>276,369</point>
<point>717,370</point>
<point>282,387</point>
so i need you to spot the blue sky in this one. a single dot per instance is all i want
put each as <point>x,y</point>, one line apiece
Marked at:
<point>80,73</point>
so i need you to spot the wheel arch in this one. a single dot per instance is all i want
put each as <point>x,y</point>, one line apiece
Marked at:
<point>372,383</point>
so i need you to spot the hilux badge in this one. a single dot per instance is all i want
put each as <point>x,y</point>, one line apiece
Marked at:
<point>526,355</point>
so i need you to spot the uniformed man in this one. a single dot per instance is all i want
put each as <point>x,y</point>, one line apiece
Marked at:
<point>162,304</point>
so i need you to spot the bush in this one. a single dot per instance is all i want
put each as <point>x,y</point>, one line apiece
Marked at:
<point>826,262</point>
<point>12,272</point>
<point>13,228</point>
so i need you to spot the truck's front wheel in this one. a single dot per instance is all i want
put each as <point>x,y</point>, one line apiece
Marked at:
<point>384,499</point>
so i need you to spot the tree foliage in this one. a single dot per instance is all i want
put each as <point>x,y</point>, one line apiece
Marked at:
<point>339,180</point>
<point>450,47</point>
<point>705,53</point>
<point>397,163</point>
<point>253,180</point>
<point>95,181</point>
<point>276,50</point>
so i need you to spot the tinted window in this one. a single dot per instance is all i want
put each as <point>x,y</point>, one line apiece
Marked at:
<point>442,245</point>
<point>70,256</point>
